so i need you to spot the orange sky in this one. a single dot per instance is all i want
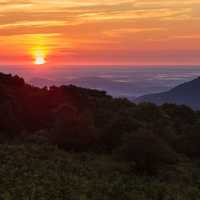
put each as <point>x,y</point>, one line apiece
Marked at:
<point>100,31</point>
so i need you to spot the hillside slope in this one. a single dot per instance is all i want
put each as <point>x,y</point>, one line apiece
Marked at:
<point>73,143</point>
<point>89,120</point>
<point>187,93</point>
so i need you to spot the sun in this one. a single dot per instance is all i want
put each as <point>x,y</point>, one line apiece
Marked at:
<point>39,56</point>
<point>40,60</point>
<point>39,48</point>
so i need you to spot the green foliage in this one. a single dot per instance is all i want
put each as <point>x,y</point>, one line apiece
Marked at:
<point>188,144</point>
<point>40,172</point>
<point>120,150</point>
<point>147,151</point>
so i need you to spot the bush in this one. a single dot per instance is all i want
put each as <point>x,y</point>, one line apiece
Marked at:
<point>147,151</point>
<point>42,172</point>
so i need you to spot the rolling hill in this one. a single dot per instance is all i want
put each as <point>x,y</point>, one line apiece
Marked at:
<point>185,94</point>
<point>73,143</point>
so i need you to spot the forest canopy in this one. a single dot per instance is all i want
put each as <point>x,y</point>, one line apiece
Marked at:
<point>132,140</point>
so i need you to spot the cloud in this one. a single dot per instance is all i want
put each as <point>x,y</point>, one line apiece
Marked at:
<point>127,31</point>
<point>83,25</point>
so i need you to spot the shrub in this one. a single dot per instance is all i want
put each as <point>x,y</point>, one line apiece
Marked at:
<point>147,151</point>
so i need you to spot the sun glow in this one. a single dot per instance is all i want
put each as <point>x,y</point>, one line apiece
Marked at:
<point>40,48</point>
<point>39,55</point>
<point>40,60</point>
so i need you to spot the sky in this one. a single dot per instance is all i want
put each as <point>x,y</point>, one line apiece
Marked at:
<point>91,32</point>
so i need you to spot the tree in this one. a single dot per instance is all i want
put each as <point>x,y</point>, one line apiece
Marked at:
<point>147,151</point>
<point>72,129</point>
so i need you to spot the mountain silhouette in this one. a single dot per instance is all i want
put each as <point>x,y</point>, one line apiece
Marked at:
<point>185,94</point>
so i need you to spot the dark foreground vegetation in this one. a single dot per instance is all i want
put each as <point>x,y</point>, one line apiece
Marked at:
<point>79,144</point>
<point>42,172</point>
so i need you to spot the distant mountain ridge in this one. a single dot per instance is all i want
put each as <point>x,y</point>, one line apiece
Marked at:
<point>187,93</point>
